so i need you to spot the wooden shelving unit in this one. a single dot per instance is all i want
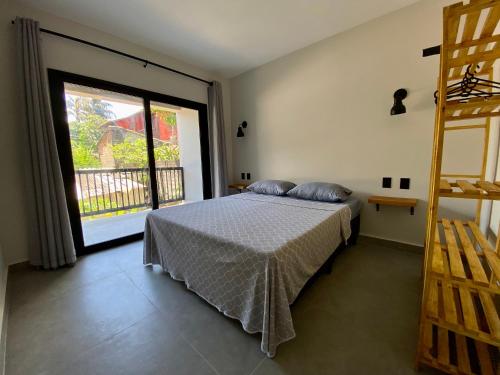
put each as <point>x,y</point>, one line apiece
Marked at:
<point>459,329</point>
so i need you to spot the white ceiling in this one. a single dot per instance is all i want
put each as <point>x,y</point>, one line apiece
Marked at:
<point>227,37</point>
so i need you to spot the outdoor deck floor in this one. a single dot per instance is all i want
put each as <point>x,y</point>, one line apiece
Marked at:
<point>109,228</point>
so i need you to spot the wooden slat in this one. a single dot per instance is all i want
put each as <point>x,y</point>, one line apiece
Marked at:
<point>443,347</point>
<point>456,265</point>
<point>488,29</point>
<point>461,175</point>
<point>478,235</point>
<point>491,314</point>
<point>432,301</point>
<point>486,56</point>
<point>473,103</point>
<point>453,24</point>
<point>490,188</point>
<point>445,186</point>
<point>481,73</point>
<point>467,187</point>
<point>493,261</point>
<point>428,340</point>
<point>461,195</point>
<point>475,265</point>
<point>489,64</point>
<point>450,310</point>
<point>437,255</point>
<point>484,358</point>
<point>467,35</point>
<point>480,43</point>
<point>489,108</point>
<point>490,255</point>
<point>465,127</point>
<point>458,9</point>
<point>472,116</point>
<point>462,354</point>
<point>468,310</point>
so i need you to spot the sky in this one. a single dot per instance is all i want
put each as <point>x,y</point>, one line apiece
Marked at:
<point>120,109</point>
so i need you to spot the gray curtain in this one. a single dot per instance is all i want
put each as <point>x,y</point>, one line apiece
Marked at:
<point>217,139</point>
<point>53,242</point>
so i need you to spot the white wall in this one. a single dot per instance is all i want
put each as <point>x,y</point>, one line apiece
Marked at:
<point>322,113</point>
<point>190,153</point>
<point>69,56</point>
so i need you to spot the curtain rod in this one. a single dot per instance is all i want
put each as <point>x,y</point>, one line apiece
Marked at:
<point>144,61</point>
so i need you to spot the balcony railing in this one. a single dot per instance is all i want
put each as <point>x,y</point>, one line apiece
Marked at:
<point>111,190</point>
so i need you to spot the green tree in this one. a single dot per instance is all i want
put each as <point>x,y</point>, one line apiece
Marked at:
<point>86,130</point>
<point>133,152</point>
<point>80,106</point>
<point>85,136</point>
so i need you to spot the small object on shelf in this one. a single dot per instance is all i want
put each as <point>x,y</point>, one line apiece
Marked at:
<point>239,187</point>
<point>393,201</point>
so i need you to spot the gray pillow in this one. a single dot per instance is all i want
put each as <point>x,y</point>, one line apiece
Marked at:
<point>271,187</point>
<point>320,191</point>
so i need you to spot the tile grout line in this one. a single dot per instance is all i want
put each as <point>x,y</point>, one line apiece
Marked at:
<point>200,354</point>
<point>64,293</point>
<point>258,365</point>
<point>105,340</point>
<point>179,333</point>
<point>80,287</point>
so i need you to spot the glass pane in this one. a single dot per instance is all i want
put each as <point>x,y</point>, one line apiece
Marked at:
<point>176,139</point>
<point>108,143</point>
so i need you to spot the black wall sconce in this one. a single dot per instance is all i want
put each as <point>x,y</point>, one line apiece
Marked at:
<point>398,107</point>
<point>240,132</point>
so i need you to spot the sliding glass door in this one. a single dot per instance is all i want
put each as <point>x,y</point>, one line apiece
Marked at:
<point>123,153</point>
<point>110,160</point>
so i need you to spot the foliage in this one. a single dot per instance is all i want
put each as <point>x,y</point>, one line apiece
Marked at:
<point>132,152</point>
<point>80,107</point>
<point>169,117</point>
<point>167,152</point>
<point>85,136</point>
<point>89,115</point>
<point>83,157</point>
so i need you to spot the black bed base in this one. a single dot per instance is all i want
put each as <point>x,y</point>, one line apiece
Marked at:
<point>327,266</point>
<point>355,224</point>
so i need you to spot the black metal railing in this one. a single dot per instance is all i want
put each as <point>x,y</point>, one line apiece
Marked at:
<point>110,190</point>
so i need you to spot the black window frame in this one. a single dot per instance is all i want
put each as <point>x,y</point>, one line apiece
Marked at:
<point>57,79</point>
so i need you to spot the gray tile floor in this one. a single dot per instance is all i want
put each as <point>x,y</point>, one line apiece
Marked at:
<point>111,315</point>
<point>112,227</point>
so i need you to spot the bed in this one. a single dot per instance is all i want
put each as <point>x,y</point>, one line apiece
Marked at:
<point>249,254</point>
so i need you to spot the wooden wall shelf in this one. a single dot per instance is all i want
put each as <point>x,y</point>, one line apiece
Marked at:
<point>240,187</point>
<point>393,201</point>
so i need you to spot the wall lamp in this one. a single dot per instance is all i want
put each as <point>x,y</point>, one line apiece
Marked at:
<point>240,132</point>
<point>398,107</point>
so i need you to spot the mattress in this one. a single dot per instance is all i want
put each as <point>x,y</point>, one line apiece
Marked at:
<point>249,255</point>
<point>354,204</point>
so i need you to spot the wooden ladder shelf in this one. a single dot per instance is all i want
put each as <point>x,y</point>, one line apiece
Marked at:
<point>459,330</point>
